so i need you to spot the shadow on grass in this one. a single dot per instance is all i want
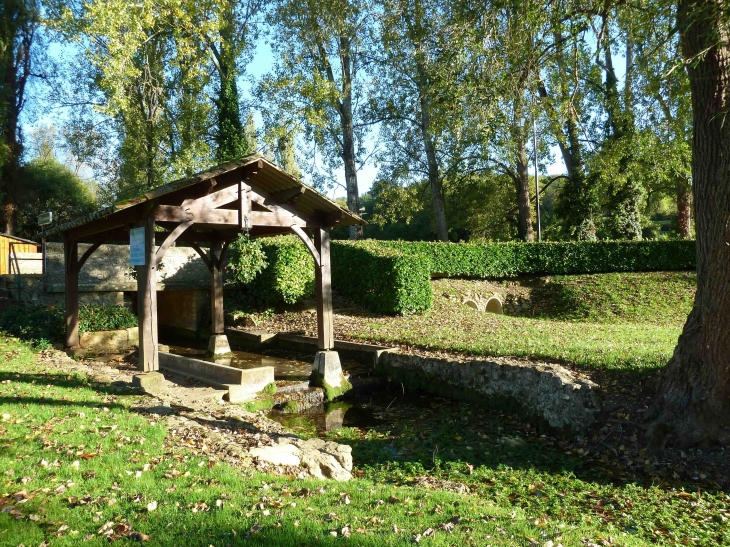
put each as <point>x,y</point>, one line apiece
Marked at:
<point>72,380</point>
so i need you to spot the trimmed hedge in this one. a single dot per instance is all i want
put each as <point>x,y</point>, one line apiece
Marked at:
<point>393,276</point>
<point>380,278</point>
<point>289,274</point>
<point>568,257</point>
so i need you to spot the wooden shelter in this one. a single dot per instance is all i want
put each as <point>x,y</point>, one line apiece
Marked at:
<point>210,208</point>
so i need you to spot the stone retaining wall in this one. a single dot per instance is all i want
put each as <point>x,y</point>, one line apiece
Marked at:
<point>551,394</point>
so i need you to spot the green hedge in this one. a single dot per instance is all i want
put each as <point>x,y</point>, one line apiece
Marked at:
<point>46,325</point>
<point>393,276</point>
<point>380,278</point>
<point>289,274</point>
<point>569,257</point>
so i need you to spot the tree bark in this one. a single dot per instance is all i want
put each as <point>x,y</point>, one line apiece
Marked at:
<point>522,181</point>
<point>348,138</point>
<point>684,211</point>
<point>692,405</point>
<point>434,179</point>
<point>18,35</point>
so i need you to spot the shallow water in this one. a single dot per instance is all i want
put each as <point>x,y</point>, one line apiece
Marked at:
<point>363,412</point>
<point>284,368</point>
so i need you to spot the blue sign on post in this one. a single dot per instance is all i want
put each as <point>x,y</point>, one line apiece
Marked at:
<point>137,253</point>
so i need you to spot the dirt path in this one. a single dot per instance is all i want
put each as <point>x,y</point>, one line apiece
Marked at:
<point>198,418</point>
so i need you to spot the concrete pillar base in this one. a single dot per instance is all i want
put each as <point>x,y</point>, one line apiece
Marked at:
<point>327,369</point>
<point>218,345</point>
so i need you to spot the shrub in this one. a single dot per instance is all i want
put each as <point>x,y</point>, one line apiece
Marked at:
<point>37,324</point>
<point>44,325</point>
<point>289,273</point>
<point>381,278</point>
<point>574,257</point>
<point>97,318</point>
<point>246,259</point>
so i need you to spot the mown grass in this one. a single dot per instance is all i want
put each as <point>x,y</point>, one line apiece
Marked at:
<point>510,464</point>
<point>607,321</point>
<point>656,298</point>
<point>78,465</point>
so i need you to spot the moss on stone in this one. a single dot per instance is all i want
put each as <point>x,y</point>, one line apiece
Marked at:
<point>291,407</point>
<point>269,389</point>
<point>265,403</point>
<point>330,392</point>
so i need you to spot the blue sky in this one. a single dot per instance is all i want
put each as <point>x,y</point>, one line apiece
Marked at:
<point>261,63</point>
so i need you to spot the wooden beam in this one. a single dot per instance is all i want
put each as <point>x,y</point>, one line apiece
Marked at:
<point>285,196</point>
<point>71,276</point>
<point>202,254</point>
<point>227,217</point>
<point>170,239</point>
<point>244,206</point>
<point>147,302</point>
<point>323,280</point>
<point>88,253</point>
<point>212,201</point>
<point>308,242</point>
<point>331,218</point>
<point>216,288</point>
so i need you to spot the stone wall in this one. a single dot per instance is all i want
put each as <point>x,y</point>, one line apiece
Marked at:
<point>551,394</point>
<point>108,269</point>
<point>33,290</point>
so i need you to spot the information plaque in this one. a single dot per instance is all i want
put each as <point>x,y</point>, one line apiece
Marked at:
<point>137,246</point>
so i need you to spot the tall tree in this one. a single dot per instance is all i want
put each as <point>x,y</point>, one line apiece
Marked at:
<point>320,79</point>
<point>563,96</point>
<point>693,402</point>
<point>19,21</point>
<point>419,98</point>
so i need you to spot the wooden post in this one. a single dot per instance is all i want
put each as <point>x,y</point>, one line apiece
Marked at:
<point>71,271</point>
<point>325,335</point>
<point>147,302</point>
<point>216,288</point>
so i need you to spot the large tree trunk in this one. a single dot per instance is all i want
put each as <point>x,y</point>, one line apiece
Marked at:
<point>693,402</point>
<point>524,223</point>
<point>434,179</point>
<point>684,211</point>
<point>348,138</point>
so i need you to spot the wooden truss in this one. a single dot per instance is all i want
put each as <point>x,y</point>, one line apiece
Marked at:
<point>214,212</point>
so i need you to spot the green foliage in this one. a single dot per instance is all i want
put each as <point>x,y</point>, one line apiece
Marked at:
<point>98,318</point>
<point>44,325</point>
<point>381,278</point>
<point>575,257</point>
<point>33,323</point>
<point>246,259</point>
<point>49,185</point>
<point>289,273</point>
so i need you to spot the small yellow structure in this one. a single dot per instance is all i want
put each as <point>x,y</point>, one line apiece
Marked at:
<point>10,247</point>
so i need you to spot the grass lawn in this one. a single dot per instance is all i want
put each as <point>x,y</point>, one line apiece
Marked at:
<point>627,321</point>
<point>79,467</point>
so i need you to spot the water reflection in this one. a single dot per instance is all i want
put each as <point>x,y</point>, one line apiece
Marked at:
<point>329,417</point>
<point>284,369</point>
